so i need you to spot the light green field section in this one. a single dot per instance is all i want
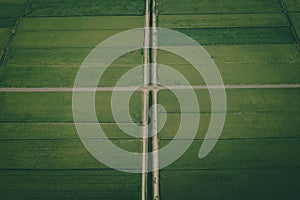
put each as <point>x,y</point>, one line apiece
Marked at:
<point>61,39</point>
<point>57,107</point>
<point>230,184</point>
<point>69,184</point>
<point>246,64</point>
<point>39,8</point>
<point>292,5</point>
<point>81,23</point>
<point>218,6</point>
<point>58,67</point>
<point>222,20</point>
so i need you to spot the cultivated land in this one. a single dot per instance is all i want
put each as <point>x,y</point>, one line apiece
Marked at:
<point>42,156</point>
<point>252,42</point>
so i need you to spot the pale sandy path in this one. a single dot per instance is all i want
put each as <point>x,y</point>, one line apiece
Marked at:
<point>174,87</point>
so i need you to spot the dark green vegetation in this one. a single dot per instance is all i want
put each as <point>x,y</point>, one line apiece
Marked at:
<point>241,36</point>
<point>252,42</point>
<point>68,184</point>
<point>41,155</point>
<point>217,6</point>
<point>230,184</point>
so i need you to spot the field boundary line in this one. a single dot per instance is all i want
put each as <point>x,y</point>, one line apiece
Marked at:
<point>136,88</point>
<point>219,13</point>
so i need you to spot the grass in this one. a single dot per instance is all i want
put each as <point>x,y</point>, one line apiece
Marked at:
<point>60,184</point>
<point>230,184</point>
<point>241,36</point>
<point>222,20</point>
<point>41,8</point>
<point>246,64</point>
<point>30,107</point>
<point>218,6</point>
<point>81,23</point>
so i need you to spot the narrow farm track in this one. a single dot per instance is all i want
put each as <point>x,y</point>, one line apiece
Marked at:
<point>147,88</point>
<point>145,186</point>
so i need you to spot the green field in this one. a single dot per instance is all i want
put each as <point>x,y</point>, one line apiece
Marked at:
<point>11,9</point>
<point>41,155</point>
<point>57,67</point>
<point>242,64</point>
<point>295,17</point>
<point>41,8</point>
<point>218,6</point>
<point>9,12</point>
<point>69,184</point>
<point>252,42</point>
<point>241,100</point>
<point>47,52</point>
<point>241,36</point>
<point>81,23</point>
<point>241,126</point>
<point>5,33</point>
<point>30,107</point>
<point>292,5</point>
<point>222,20</point>
<point>230,184</point>
<point>52,131</point>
